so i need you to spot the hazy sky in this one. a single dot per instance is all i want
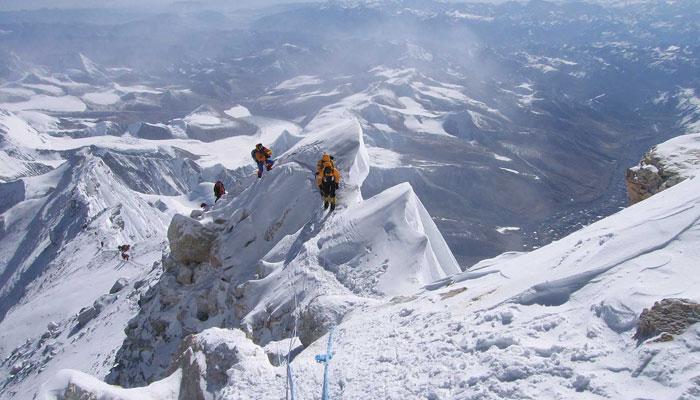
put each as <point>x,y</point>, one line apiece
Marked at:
<point>35,4</point>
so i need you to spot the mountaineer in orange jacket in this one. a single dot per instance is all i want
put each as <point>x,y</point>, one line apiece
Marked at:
<point>263,157</point>
<point>327,180</point>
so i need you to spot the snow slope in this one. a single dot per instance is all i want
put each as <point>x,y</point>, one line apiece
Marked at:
<point>554,323</point>
<point>557,322</point>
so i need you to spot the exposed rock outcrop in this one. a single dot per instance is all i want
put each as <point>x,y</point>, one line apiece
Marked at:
<point>75,392</point>
<point>190,241</point>
<point>666,318</point>
<point>648,178</point>
<point>663,166</point>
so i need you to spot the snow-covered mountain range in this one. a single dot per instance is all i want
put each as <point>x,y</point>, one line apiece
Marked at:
<point>463,132</point>
<point>464,104</point>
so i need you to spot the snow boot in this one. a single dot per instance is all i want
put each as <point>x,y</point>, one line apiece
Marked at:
<point>332,207</point>
<point>325,205</point>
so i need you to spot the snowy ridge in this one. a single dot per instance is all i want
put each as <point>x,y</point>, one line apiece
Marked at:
<point>558,320</point>
<point>84,197</point>
<point>277,265</point>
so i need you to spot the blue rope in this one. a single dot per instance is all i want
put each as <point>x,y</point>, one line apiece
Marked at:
<point>325,359</point>
<point>290,377</point>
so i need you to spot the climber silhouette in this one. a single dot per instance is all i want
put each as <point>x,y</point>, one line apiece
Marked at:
<point>327,180</point>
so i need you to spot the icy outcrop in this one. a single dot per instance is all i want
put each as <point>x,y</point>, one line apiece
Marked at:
<point>89,313</point>
<point>322,313</point>
<point>269,262</point>
<point>664,166</point>
<point>667,317</point>
<point>86,315</point>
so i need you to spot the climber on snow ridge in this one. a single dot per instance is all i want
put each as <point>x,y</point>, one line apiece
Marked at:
<point>219,190</point>
<point>327,180</point>
<point>263,157</point>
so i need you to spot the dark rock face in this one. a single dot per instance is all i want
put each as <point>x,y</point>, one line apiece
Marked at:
<point>667,317</point>
<point>649,177</point>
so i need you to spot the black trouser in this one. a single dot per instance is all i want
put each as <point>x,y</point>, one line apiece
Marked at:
<point>328,191</point>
